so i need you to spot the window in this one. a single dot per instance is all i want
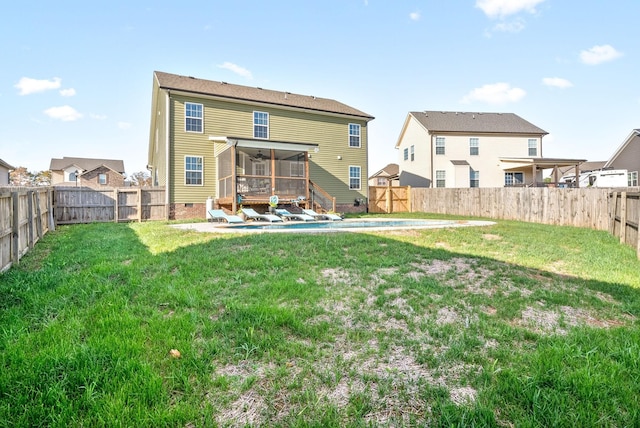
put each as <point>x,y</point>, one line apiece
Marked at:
<point>193,170</point>
<point>441,178</point>
<point>439,145</point>
<point>474,146</point>
<point>102,178</point>
<point>513,178</point>
<point>474,178</point>
<point>382,181</point>
<point>260,124</point>
<point>413,156</point>
<point>354,177</point>
<point>633,178</point>
<point>406,154</point>
<point>259,168</point>
<point>193,117</point>
<point>297,169</point>
<point>533,147</point>
<point>73,176</point>
<point>354,135</point>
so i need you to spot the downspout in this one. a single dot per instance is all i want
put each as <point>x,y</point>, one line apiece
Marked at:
<point>167,183</point>
<point>432,154</point>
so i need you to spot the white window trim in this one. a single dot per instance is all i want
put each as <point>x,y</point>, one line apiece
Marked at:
<point>359,178</point>
<point>444,174</point>
<point>359,135</point>
<point>293,165</point>
<point>267,125</point>
<point>443,145</point>
<point>532,143</point>
<point>405,154</point>
<point>200,118</point>
<point>255,165</point>
<point>106,179</point>
<point>186,170</point>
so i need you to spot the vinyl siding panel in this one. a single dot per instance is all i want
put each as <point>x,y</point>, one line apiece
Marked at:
<point>223,118</point>
<point>629,157</point>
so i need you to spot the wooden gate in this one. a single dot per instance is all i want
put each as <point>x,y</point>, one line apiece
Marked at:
<point>389,199</point>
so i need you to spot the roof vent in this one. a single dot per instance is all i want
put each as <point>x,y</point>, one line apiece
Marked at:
<point>474,116</point>
<point>224,83</point>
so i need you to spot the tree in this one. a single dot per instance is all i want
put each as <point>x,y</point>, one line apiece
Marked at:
<point>21,177</point>
<point>140,178</point>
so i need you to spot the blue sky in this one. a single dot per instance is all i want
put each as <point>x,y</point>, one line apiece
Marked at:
<point>75,77</point>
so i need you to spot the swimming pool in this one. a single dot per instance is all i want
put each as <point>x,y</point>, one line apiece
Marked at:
<point>347,225</point>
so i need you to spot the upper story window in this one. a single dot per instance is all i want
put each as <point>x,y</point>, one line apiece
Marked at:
<point>406,153</point>
<point>474,146</point>
<point>193,117</point>
<point>193,169</point>
<point>533,147</point>
<point>441,178</point>
<point>102,178</point>
<point>354,177</point>
<point>260,124</point>
<point>354,135</point>
<point>474,178</point>
<point>439,145</point>
<point>413,155</point>
<point>632,178</point>
<point>382,181</point>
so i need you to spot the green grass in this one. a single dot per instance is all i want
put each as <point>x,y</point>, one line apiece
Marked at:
<point>514,324</point>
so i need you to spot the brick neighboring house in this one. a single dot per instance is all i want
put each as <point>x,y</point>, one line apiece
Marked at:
<point>87,172</point>
<point>4,173</point>
<point>388,174</point>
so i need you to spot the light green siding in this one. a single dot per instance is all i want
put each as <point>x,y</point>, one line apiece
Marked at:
<point>235,119</point>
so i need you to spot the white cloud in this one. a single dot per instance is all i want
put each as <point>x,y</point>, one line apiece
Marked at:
<point>97,116</point>
<point>237,69</point>
<point>503,8</point>
<point>495,93</point>
<point>67,92</point>
<point>509,27</point>
<point>31,86</point>
<point>599,54</point>
<point>124,125</point>
<point>557,82</point>
<point>63,113</point>
<point>415,16</point>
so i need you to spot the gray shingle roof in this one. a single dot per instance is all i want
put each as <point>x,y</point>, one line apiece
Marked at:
<point>470,122</point>
<point>86,164</point>
<point>247,93</point>
<point>6,165</point>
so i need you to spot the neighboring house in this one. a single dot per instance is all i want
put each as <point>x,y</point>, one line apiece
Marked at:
<point>388,174</point>
<point>627,156</point>
<point>583,167</point>
<point>94,173</point>
<point>4,173</point>
<point>462,149</point>
<point>243,145</point>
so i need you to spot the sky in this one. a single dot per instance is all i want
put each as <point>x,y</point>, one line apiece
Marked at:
<point>76,76</point>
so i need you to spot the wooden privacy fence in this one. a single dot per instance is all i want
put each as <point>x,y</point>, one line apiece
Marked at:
<point>25,217</point>
<point>86,205</point>
<point>580,207</point>
<point>625,218</point>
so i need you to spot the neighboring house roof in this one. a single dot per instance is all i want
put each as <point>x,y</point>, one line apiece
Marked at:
<point>255,94</point>
<point>6,165</point>
<point>474,123</point>
<point>584,166</point>
<point>86,164</point>
<point>390,171</point>
<point>634,134</point>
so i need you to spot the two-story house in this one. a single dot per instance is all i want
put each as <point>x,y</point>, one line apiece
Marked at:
<point>627,156</point>
<point>463,149</point>
<point>241,145</point>
<point>87,172</point>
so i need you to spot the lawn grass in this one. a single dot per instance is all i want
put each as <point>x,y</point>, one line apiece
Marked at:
<point>515,324</point>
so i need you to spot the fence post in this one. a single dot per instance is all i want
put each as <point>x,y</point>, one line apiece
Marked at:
<point>15,228</point>
<point>409,201</point>
<point>623,217</point>
<point>388,203</point>
<point>115,205</point>
<point>613,203</point>
<point>139,204</point>
<point>39,232</point>
<point>30,217</point>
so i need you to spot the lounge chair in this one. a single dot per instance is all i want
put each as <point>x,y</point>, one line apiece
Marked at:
<point>325,216</point>
<point>253,215</point>
<point>285,214</point>
<point>219,215</point>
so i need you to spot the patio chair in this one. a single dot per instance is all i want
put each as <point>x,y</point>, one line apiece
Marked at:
<point>325,216</point>
<point>219,215</point>
<point>253,215</point>
<point>286,215</point>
